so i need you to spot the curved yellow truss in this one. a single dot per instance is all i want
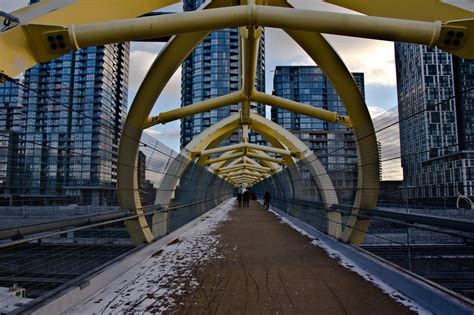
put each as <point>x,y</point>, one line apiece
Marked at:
<point>244,164</point>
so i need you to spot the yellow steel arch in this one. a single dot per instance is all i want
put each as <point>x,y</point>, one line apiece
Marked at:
<point>30,43</point>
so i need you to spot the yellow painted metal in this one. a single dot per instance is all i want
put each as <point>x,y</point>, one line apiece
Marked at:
<point>230,168</point>
<point>368,160</point>
<point>217,166</point>
<point>453,38</point>
<point>261,156</point>
<point>246,146</point>
<point>245,175</point>
<point>247,178</point>
<point>244,172</point>
<point>161,71</point>
<point>278,136</point>
<point>196,108</point>
<point>28,44</point>
<point>223,158</point>
<point>245,131</point>
<point>18,54</point>
<point>244,165</point>
<point>22,56</point>
<point>421,10</point>
<point>67,12</point>
<point>308,20</point>
<point>368,172</point>
<point>158,26</point>
<point>300,108</point>
<point>373,27</point>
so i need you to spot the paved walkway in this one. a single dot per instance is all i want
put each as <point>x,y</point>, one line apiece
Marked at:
<point>249,263</point>
<point>269,268</point>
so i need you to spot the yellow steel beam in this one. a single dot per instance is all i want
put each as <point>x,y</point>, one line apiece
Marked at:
<point>250,36</point>
<point>248,177</point>
<point>271,165</point>
<point>421,10</point>
<point>306,20</point>
<point>242,173</point>
<point>368,173</point>
<point>31,44</point>
<point>18,52</point>
<point>67,12</point>
<point>246,146</point>
<point>277,135</point>
<point>161,71</point>
<point>244,166</point>
<point>245,132</point>
<point>214,135</point>
<point>230,168</point>
<point>223,158</point>
<point>261,156</point>
<point>196,108</point>
<point>217,166</point>
<point>300,108</point>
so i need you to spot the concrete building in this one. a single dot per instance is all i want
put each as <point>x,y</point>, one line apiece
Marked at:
<point>213,69</point>
<point>436,123</point>
<point>333,144</point>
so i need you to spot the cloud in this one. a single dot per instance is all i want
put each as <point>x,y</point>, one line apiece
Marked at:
<point>140,62</point>
<point>12,5</point>
<point>373,57</point>
<point>168,134</point>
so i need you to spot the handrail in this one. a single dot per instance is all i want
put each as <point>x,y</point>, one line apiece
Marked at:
<point>130,217</point>
<point>403,218</point>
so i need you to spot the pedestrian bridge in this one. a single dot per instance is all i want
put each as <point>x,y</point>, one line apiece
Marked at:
<point>205,173</point>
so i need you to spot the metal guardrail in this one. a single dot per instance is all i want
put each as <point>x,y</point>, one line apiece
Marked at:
<point>127,216</point>
<point>19,232</point>
<point>404,218</point>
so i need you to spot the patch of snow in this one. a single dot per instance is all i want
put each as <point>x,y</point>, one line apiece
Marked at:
<point>351,265</point>
<point>152,285</point>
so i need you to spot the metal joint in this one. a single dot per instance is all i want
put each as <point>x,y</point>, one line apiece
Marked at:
<point>9,19</point>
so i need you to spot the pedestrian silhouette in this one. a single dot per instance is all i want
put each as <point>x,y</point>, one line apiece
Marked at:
<point>239,198</point>
<point>266,199</point>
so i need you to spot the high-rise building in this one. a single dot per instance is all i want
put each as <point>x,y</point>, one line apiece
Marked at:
<point>333,144</point>
<point>75,108</point>
<point>213,69</point>
<point>436,123</point>
<point>11,122</point>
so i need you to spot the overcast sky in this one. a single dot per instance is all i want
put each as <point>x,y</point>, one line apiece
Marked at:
<point>374,58</point>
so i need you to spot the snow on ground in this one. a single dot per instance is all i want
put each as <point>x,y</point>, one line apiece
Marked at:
<point>152,285</point>
<point>349,264</point>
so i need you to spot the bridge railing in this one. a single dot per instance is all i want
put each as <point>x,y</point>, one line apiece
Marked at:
<point>48,245</point>
<point>438,248</point>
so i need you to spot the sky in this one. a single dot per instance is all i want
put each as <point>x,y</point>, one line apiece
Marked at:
<point>374,58</point>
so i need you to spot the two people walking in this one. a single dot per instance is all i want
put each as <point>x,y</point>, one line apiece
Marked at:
<point>244,198</point>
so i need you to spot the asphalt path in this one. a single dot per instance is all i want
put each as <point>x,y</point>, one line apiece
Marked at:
<point>266,267</point>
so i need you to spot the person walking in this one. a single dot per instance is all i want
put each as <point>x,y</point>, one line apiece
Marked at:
<point>246,198</point>
<point>266,200</point>
<point>239,199</point>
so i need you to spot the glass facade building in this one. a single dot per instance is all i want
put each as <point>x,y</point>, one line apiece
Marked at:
<point>333,144</point>
<point>60,132</point>
<point>74,108</point>
<point>11,122</point>
<point>213,69</point>
<point>436,122</point>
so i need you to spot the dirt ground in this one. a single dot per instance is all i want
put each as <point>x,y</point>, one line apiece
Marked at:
<point>266,267</point>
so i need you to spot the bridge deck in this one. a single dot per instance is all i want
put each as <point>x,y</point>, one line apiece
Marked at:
<point>258,265</point>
